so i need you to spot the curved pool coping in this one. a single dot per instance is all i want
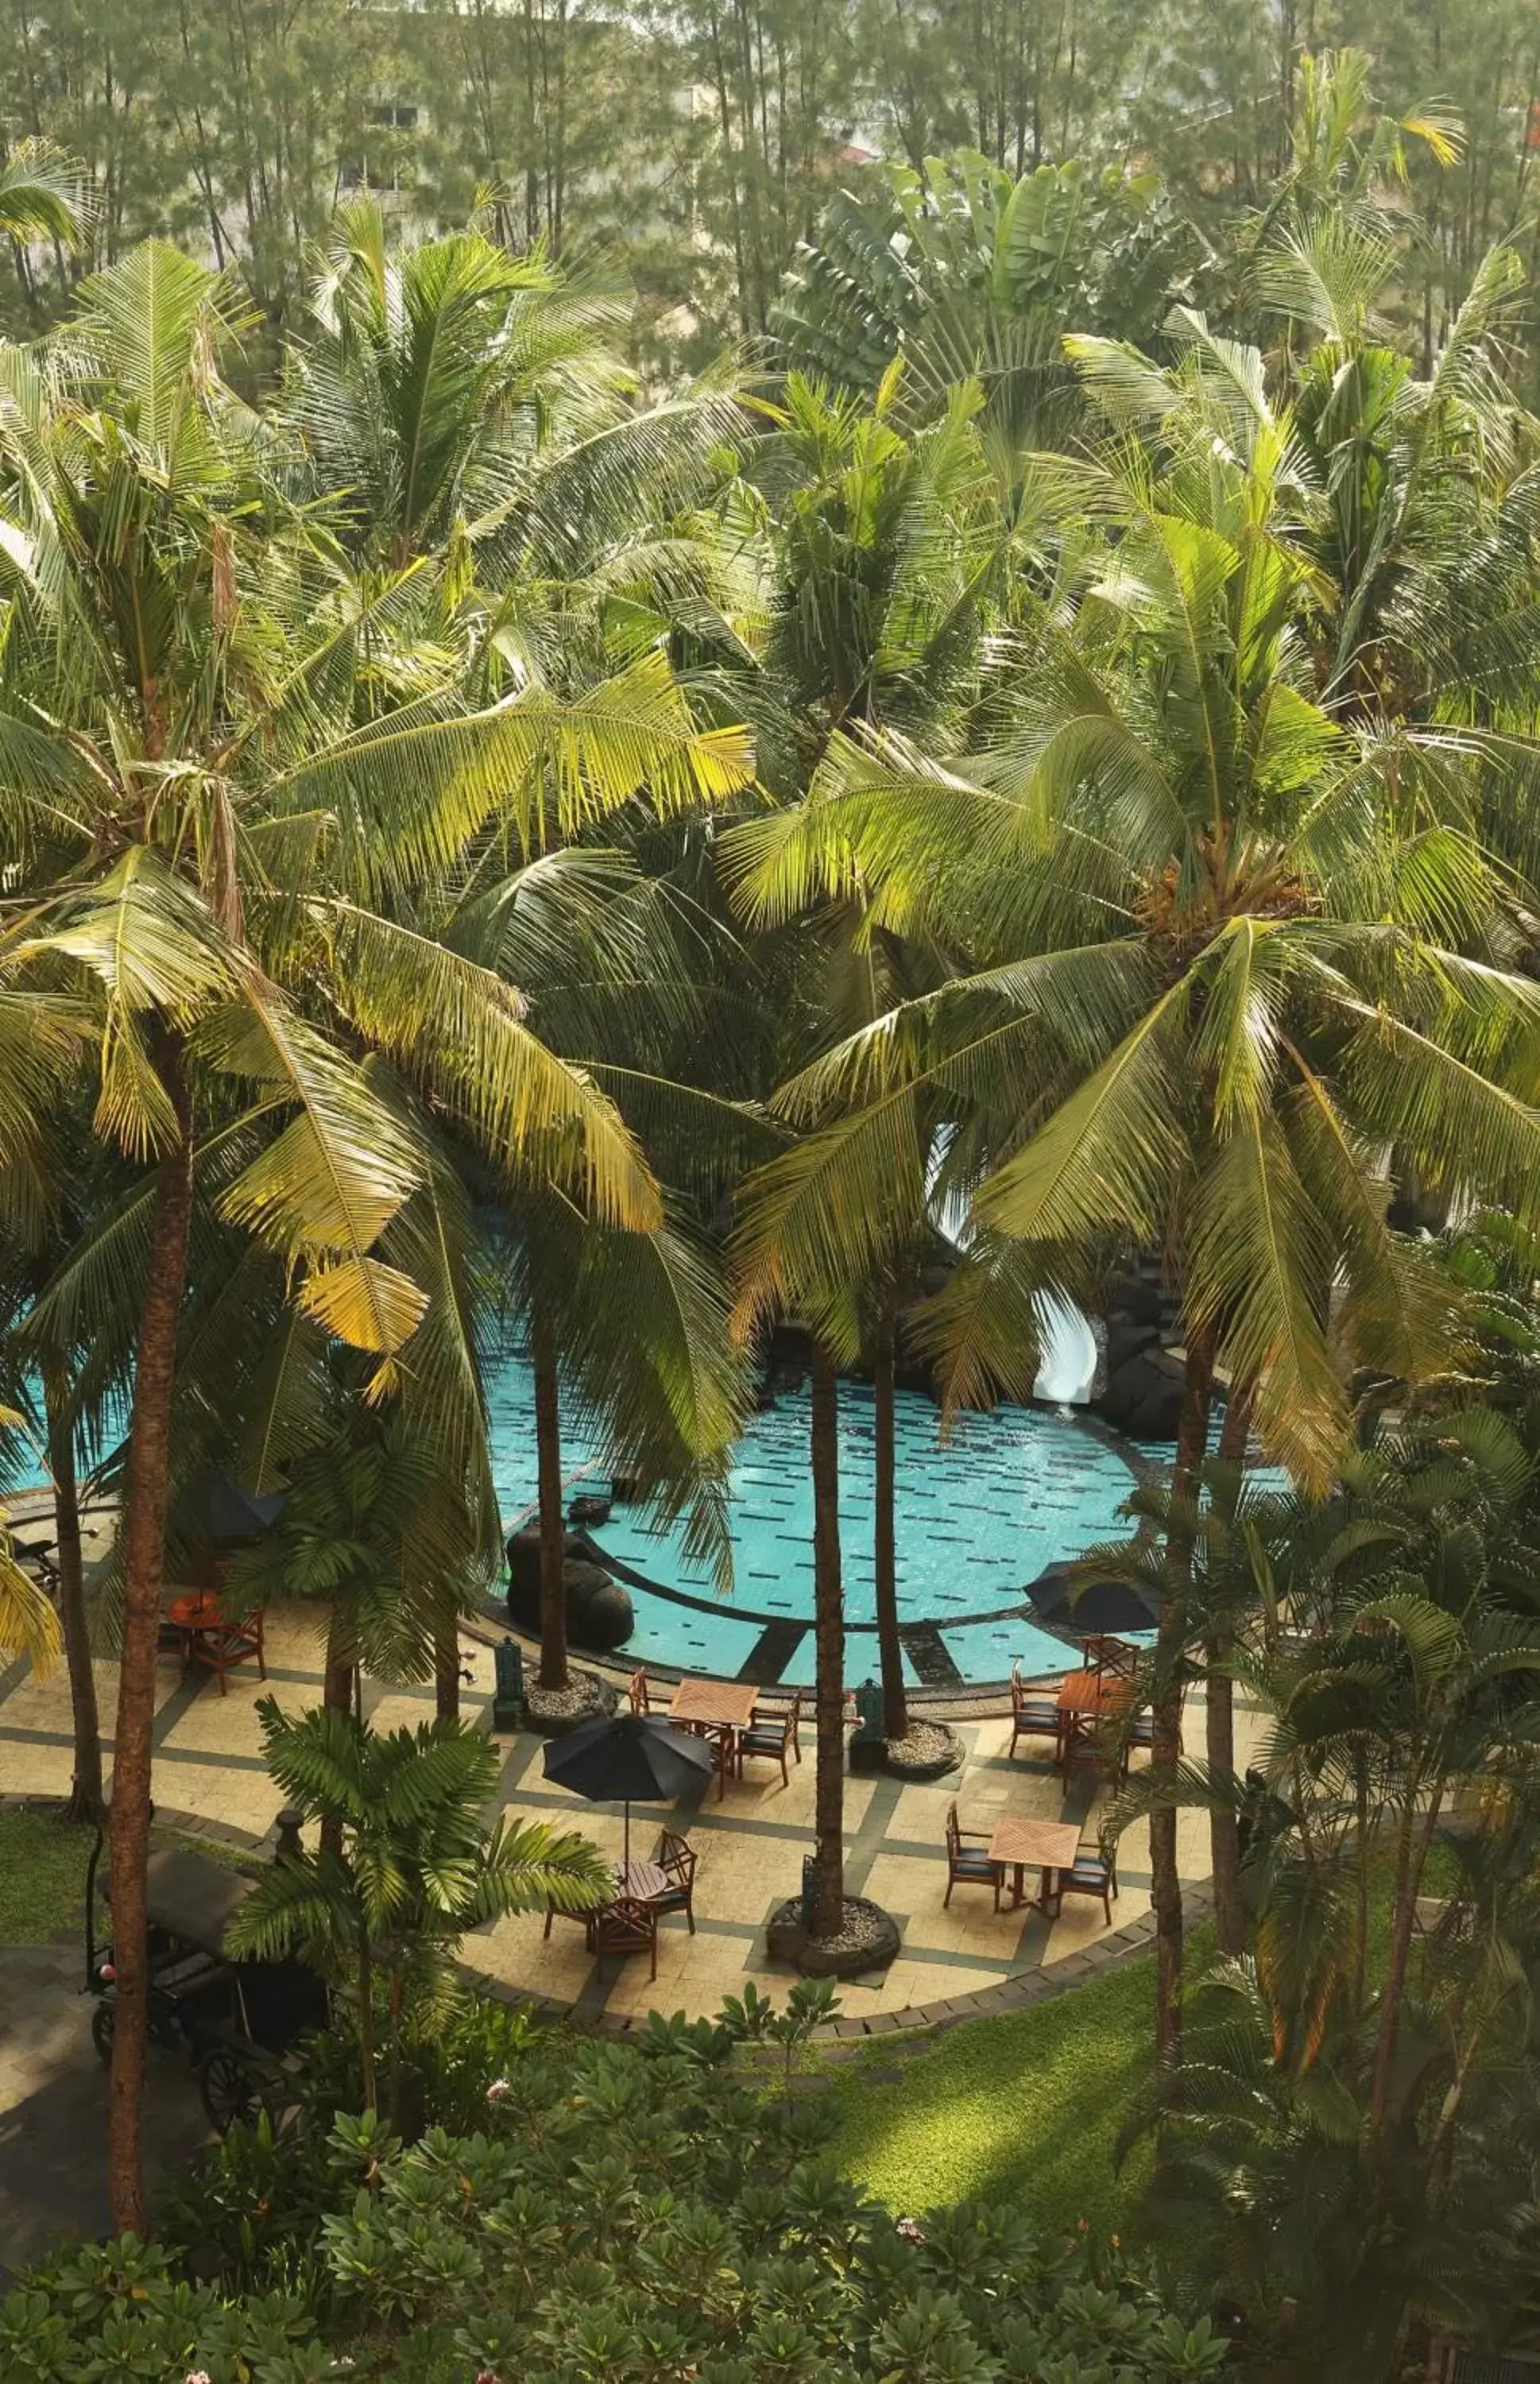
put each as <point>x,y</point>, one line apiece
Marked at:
<point>927,1697</point>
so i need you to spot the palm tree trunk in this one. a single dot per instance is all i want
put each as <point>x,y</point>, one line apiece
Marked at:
<point>146,1494</point>
<point>1192,1440</point>
<point>337,1693</point>
<point>446,1666</point>
<point>392,2088</point>
<point>1224,1822</point>
<point>1410,1862</point>
<point>85,1790</point>
<point>548,1445</point>
<point>829,1612</point>
<point>895,1704</point>
<point>366,2022</point>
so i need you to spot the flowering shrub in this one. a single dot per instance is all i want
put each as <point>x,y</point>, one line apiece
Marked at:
<point>636,2214</point>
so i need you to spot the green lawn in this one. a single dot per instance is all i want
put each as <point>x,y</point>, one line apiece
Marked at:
<point>42,1876</point>
<point>1028,2105</point>
<point>42,1873</point>
<point>1031,2105</point>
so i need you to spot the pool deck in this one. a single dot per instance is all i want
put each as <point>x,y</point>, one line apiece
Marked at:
<point>208,1766</point>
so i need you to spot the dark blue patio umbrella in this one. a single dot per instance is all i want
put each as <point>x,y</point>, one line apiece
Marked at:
<point>1090,1609</point>
<point>626,1759</point>
<point>220,1510</point>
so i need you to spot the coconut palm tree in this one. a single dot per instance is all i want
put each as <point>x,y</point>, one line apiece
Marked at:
<point>216,766</point>
<point>881,574</point>
<point>27,1626</point>
<point>475,413</point>
<point>45,197</point>
<point>1209,981</point>
<point>413,1868</point>
<point>972,274</point>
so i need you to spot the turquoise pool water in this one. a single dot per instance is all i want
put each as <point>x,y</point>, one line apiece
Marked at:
<point>1009,1494</point>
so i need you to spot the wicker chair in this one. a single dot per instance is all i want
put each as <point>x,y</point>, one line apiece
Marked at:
<point>964,1865</point>
<point>773,1733</point>
<point>640,1702</point>
<point>678,1858</point>
<point>624,1927</point>
<point>1032,1716</point>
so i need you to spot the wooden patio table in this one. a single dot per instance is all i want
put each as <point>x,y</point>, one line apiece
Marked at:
<point>714,1705</point>
<point>644,1881</point>
<point>1083,1699</point>
<point>1093,1693</point>
<point>1046,1846</point>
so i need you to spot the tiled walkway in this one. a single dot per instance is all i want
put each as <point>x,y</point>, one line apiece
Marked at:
<point>208,1763</point>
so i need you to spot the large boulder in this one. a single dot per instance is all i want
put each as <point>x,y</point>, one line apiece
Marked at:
<point>598,1610</point>
<point>1144,1395</point>
<point>1126,1339</point>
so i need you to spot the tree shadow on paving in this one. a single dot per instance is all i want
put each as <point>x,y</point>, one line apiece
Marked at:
<point>53,2111</point>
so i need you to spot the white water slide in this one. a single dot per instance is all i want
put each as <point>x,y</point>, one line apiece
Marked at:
<point>1068,1352</point>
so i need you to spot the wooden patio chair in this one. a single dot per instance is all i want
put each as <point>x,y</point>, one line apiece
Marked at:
<point>1033,1714</point>
<point>676,1857</point>
<point>624,1927</point>
<point>220,1647</point>
<point>964,1867</point>
<point>558,1912</point>
<point>773,1733</point>
<point>1141,1733</point>
<point>1089,1874</point>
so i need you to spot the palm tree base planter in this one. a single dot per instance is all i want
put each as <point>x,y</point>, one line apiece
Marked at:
<point>929,1750</point>
<point>869,1940</point>
<point>550,1713</point>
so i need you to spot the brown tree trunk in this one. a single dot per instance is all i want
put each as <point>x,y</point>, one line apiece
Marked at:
<point>548,1444</point>
<point>366,2022</point>
<point>895,1704</point>
<point>446,1666</point>
<point>1192,1438</point>
<point>1224,1824</point>
<point>146,1491</point>
<point>337,1693</point>
<point>85,1791</point>
<point>829,1614</point>
<point>1410,1862</point>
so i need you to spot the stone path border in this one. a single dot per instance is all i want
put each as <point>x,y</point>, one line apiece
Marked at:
<point>1036,1986</point>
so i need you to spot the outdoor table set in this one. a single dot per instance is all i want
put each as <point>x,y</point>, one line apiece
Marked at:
<point>1020,1843</point>
<point>1085,1702</point>
<point>1049,1847</point>
<point>625,1759</point>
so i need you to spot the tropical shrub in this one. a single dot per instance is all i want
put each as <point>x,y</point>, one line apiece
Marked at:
<point>623,2213</point>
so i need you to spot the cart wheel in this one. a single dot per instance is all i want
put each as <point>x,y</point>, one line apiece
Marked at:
<point>101,2030</point>
<point>229,2090</point>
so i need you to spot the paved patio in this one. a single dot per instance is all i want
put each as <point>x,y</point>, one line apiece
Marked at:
<point>52,2110</point>
<point>208,1764</point>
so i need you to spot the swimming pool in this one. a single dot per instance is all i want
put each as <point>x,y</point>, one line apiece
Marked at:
<point>1009,1494</point>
